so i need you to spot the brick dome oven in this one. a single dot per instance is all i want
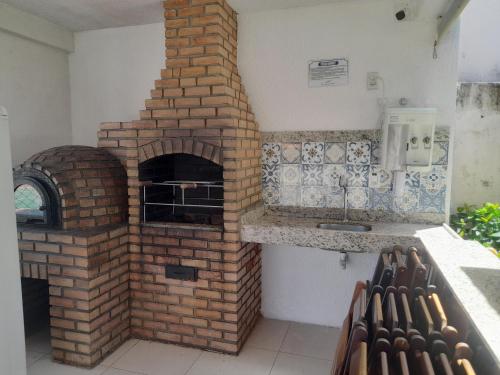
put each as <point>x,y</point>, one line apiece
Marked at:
<point>71,187</point>
<point>71,206</point>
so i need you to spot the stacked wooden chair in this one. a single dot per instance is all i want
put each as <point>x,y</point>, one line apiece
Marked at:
<point>397,324</point>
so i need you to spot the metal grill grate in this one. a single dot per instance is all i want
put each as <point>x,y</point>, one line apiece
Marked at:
<point>183,201</point>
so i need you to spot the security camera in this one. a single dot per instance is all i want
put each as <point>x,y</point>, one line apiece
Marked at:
<point>401,14</point>
<point>405,10</point>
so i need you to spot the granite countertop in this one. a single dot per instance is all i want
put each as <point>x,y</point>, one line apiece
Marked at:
<point>302,231</point>
<point>471,272</point>
<point>473,275</point>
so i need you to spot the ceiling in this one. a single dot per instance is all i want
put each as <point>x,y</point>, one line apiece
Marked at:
<point>243,6</point>
<point>81,15</point>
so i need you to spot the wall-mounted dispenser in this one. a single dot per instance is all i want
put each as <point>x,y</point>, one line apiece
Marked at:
<point>408,138</point>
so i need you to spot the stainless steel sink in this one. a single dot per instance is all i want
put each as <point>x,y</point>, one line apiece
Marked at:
<point>346,227</point>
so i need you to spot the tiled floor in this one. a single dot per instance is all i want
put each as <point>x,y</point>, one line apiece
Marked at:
<point>274,348</point>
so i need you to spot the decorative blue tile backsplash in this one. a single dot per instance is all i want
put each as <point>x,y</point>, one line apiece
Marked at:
<point>313,152</point>
<point>307,174</point>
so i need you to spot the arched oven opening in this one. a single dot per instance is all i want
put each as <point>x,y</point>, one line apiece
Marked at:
<point>181,188</point>
<point>36,199</point>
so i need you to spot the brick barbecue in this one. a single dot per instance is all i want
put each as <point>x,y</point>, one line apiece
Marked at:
<point>107,271</point>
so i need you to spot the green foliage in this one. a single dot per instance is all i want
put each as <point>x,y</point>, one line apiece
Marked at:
<point>480,224</point>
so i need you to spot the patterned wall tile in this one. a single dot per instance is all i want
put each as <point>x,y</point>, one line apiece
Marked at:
<point>379,177</point>
<point>335,153</point>
<point>334,197</point>
<point>358,152</point>
<point>381,199</point>
<point>290,153</point>
<point>435,179</point>
<point>271,195</point>
<point>440,153</point>
<point>313,196</point>
<point>291,174</point>
<point>271,153</point>
<point>270,174</point>
<point>358,198</point>
<point>312,175</point>
<point>357,175</point>
<point>432,201</point>
<point>307,174</point>
<point>375,157</point>
<point>313,152</point>
<point>408,201</point>
<point>412,179</point>
<point>290,196</point>
<point>332,174</point>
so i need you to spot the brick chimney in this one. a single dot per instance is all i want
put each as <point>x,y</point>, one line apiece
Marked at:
<point>198,107</point>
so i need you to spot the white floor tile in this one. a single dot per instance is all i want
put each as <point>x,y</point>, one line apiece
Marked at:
<point>115,371</point>
<point>158,359</point>
<point>303,350</point>
<point>310,340</point>
<point>268,334</point>
<point>118,353</point>
<point>46,366</point>
<point>39,342</point>
<point>251,361</point>
<point>289,364</point>
<point>32,357</point>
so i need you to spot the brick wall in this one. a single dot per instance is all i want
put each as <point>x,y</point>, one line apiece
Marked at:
<point>88,276</point>
<point>198,106</point>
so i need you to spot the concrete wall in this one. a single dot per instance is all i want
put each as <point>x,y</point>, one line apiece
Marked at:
<point>275,47</point>
<point>476,171</point>
<point>112,72</point>
<point>34,81</point>
<point>479,53</point>
<point>12,350</point>
<point>29,26</point>
<point>34,87</point>
<point>308,285</point>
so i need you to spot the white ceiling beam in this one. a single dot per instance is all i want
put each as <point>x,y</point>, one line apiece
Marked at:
<point>452,14</point>
<point>35,28</point>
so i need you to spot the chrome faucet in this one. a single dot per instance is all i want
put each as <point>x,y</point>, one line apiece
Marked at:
<point>343,185</point>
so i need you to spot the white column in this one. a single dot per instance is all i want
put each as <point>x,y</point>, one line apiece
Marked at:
<point>12,349</point>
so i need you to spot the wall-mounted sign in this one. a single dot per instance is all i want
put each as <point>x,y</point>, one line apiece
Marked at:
<point>331,72</point>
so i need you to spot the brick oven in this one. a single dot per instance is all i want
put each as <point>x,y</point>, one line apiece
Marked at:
<point>141,236</point>
<point>71,205</point>
<point>193,167</point>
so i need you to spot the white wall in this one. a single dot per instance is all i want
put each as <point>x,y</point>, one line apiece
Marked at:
<point>476,173</point>
<point>479,53</point>
<point>112,73</point>
<point>34,87</point>
<point>12,350</point>
<point>31,27</point>
<point>308,285</point>
<point>275,47</point>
